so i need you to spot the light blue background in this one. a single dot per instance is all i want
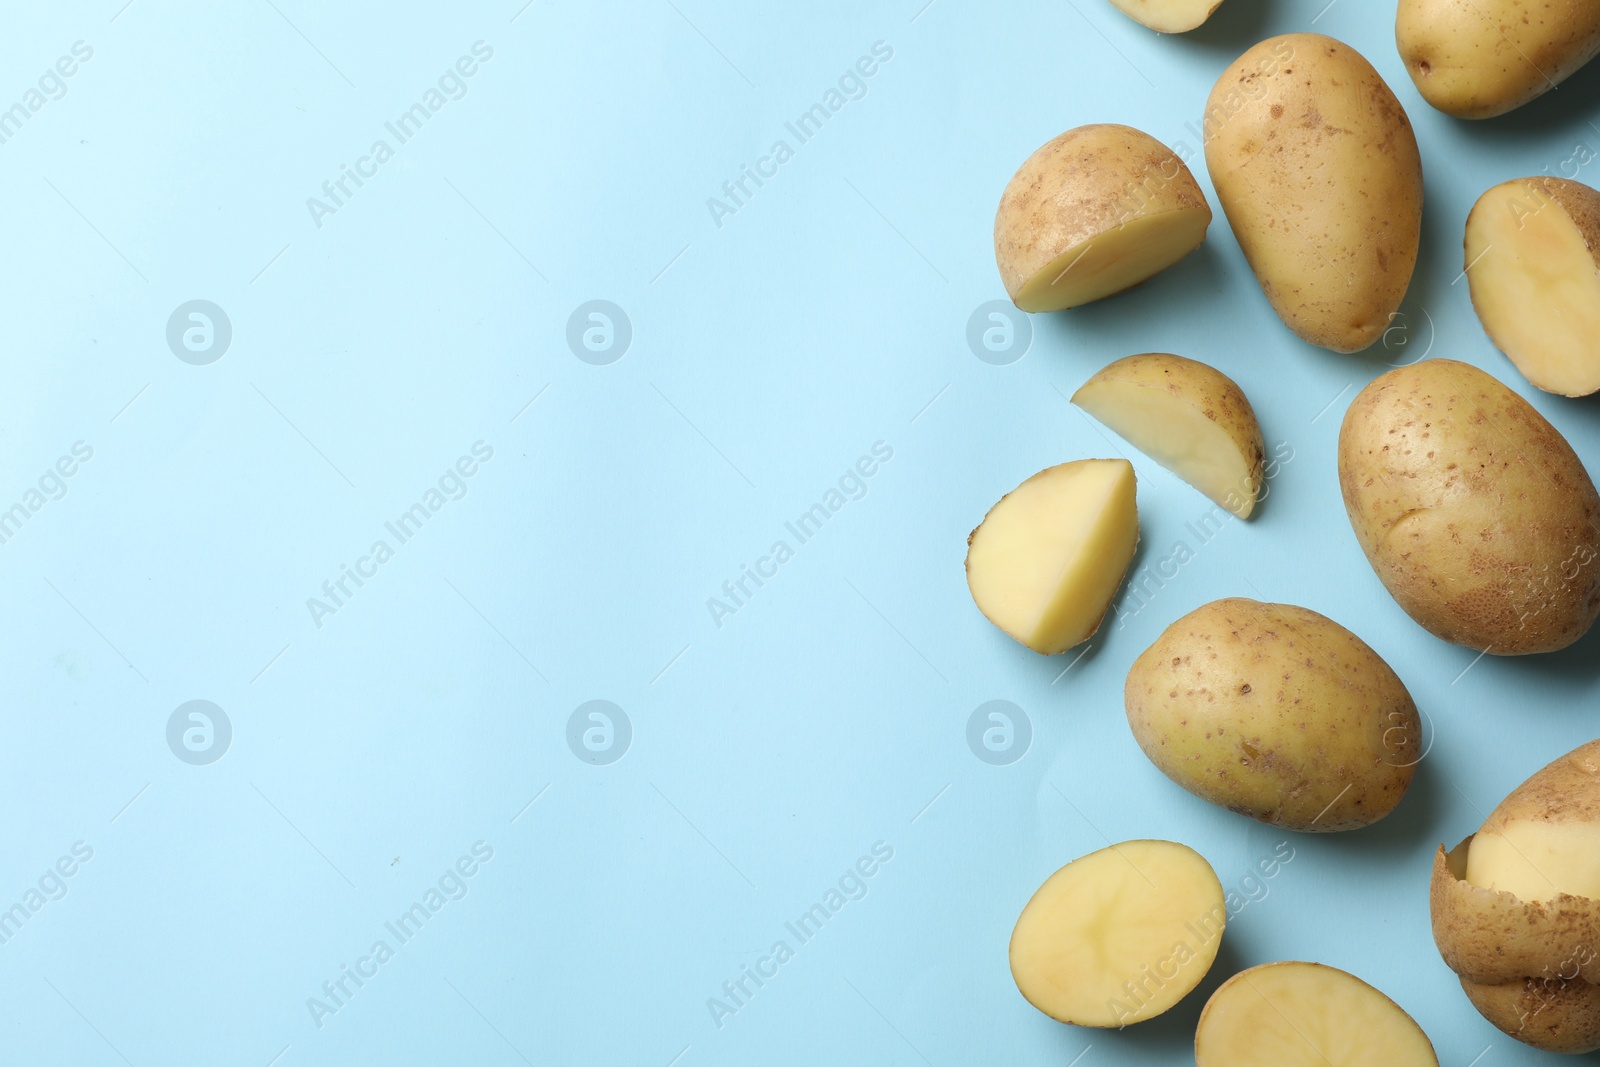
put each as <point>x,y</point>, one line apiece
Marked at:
<point>768,354</point>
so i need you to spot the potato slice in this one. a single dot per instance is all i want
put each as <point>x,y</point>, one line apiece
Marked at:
<point>1168,16</point>
<point>1190,418</point>
<point>1555,1015</point>
<point>1119,935</point>
<point>1533,265</point>
<point>1306,1015</point>
<point>1095,211</point>
<point>1047,559</point>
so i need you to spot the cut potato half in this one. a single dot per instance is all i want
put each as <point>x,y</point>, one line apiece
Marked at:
<point>1533,265</point>
<point>1190,418</point>
<point>1047,559</point>
<point>1120,935</point>
<point>1095,211</point>
<point>1168,16</point>
<point>1306,1015</point>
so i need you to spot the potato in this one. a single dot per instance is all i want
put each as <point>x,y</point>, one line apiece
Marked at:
<point>1516,908</point>
<point>1275,712</point>
<point>1475,59</point>
<point>1533,265</point>
<point>1093,212</point>
<point>1047,559</point>
<point>1120,935</point>
<point>1168,16</point>
<point>1317,168</point>
<point>1306,1015</point>
<point>1190,418</point>
<point>1473,510</point>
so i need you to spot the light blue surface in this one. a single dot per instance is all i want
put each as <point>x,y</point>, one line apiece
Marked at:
<point>827,314</point>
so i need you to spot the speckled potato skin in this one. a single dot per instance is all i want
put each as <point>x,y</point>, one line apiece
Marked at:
<point>1475,59</point>
<point>1530,967</point>
<point>1086,181</point>
<point>1317,169</point>
<point>1474,511</point>
<point>1275,712</point>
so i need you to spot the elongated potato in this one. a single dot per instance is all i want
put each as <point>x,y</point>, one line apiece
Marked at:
<point>1120,935</point>
<point>1475,59</point>
<point>1474,511</point>
<point>1317,168</point>
<point>1306,1015</point>
<point>1275,712</point>
<point>1095,211</point>
<point>1187,416</point>
<point>1533,265</point>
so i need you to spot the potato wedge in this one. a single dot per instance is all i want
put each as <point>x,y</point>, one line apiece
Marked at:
<point>1047,559</point>
<point>1168,16</point>
<point>1189,417</point>
<point>1093,212</point>
<point>1306,1015</point>
<point>1120,935</point>
<point>1533,265</point>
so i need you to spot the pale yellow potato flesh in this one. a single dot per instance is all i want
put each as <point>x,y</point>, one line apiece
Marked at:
<point>1093,212</point>
<point>1475,59</point>
<point>1306,1015</point>
<point>1120,935</point>
<point>1190,418</point>
<point>1535,859</point>
<point>1535,279</point>
<point>1168,16</point>
<point>1047,559</point>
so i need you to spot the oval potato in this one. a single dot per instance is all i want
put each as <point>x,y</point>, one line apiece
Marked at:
<point>1317,169</point>
<point>1475,59</point>
<point>1275,712</point>
<point>1474,511</point>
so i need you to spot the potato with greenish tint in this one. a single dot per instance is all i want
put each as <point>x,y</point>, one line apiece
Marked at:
<point>1317,169</point>
<point>1095,211</point>
<point>1474,511</point>
<point>1475,59</point>
<point>1275,712</point>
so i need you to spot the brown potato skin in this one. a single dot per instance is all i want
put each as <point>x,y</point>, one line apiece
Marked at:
<point>1553,1015</point>
<point>1277,713</point>
<point>1475,512</point>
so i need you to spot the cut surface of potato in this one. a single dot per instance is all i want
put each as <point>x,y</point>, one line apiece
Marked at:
<point>1093,212</point>
<point>1306,1015</point>
<point>1120,935</point>
<point>1535,859</point>
<point>1533,256</point>
<point>1047,559</point>
<point>1190,418</point>
<point>1168,16</point>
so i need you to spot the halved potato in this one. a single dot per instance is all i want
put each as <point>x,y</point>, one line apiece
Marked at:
<point>1306,1015</point>
<point>1119,935</point>
<point>1533,265</point>
<point>1552,1014</point>
<point>1047,559</point>
<point>1189,417</point>
<point>1168,16</point>
<point>1093,212</point>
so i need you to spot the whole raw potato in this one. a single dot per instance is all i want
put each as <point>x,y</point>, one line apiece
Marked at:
<point>1475,59</point>
<point>1317,168</point>
<point>1275,712</point>
<point>1474,511</point>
